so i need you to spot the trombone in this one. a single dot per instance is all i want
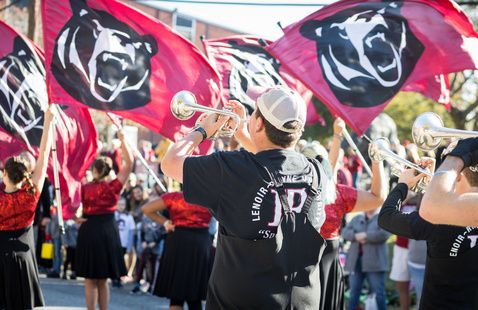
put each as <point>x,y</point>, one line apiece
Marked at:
<point>379,150</point>
<point>428,131</point>
<point>184,105</point>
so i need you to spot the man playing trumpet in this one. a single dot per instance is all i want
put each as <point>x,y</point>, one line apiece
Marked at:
<point>267,201</point>
<point>451,272</point>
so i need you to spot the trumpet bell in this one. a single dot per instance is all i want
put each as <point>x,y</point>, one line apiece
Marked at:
<point>181,105</point>
<point>422,131</point>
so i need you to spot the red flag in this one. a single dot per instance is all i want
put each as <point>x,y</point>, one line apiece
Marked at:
<point>23,98</point>
<point>247,70</point>
<point>356,55</point>
<point>107,55</point>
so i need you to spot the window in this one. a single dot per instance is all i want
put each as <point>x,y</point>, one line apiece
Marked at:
<point>185,26</point>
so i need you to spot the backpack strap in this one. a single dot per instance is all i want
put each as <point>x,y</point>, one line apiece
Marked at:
<point>278,184</point>
<point>313,190</point>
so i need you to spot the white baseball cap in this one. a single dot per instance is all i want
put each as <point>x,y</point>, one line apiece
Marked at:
<point>279,105</point>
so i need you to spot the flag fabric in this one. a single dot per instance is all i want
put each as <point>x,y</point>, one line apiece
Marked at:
<point>23,100</point>
<point>107,55</point>
<point>357,55</point>
<point>247,70</point>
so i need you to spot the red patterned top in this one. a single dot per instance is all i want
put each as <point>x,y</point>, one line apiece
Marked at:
<point>17,209</point>
<point>100,197</point>
<point>335,212</point>
<point>184,214</point>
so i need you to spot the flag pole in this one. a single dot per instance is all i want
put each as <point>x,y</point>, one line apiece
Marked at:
<point>143,161</point>
<point>56,178</point>
<point>354,147</point>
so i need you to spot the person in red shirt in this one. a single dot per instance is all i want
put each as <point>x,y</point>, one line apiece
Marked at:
<point>98,252</point>
<point>348,199</point>
<point>186,262</point>
<point>19,195</point>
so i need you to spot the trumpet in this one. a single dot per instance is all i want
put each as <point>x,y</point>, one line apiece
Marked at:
<point>379,150</point>
<point>428,131</point>
<point>184,105</point>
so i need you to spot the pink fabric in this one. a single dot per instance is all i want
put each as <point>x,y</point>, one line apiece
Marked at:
<point>76,136</point>
<point>175,63</point>
<point>219,52</point>
<point>432,23</point>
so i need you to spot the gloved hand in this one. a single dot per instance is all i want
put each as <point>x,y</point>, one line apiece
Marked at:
<point>467,150</point>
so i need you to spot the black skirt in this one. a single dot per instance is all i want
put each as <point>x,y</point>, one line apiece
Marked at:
<point>99,254</point>
<point>19,284</point>
<point>185,265</point>
<point>332,278</point>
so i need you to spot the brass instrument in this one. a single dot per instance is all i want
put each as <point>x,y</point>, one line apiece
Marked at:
<point>184,105</point>
<point>379,150</point>
<point>428,131</point>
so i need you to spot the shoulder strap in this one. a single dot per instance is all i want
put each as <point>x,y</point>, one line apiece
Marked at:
<point>313,189</point>
<point>278,185</point>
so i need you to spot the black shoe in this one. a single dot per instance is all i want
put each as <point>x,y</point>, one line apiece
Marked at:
<point>64,276</point>
<point>73,276</point>
<point>54,275</point>
<point>136,289</point>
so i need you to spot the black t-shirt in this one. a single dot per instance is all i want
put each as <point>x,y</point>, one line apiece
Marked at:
<point>451,274</point>
<point>240,194</point>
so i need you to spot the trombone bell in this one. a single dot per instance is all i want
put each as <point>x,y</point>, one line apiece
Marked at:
<point>428,131</point>
<point>422,131</point>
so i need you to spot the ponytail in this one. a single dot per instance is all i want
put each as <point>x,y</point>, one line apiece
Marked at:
<point>16,170</point>
<point>31,188</point>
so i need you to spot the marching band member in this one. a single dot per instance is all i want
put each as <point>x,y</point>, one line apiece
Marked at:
<point>451,272</point>
<point>267,203</point>
<point>185,265</point>
<point>19,195</point>
<point>98,252</point>
<point>349,199</point>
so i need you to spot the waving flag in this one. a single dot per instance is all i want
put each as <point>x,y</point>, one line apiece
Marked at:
<point>357,55</point>
<point>247,70</point>
<point>23,98</point>
<point>109,56</point>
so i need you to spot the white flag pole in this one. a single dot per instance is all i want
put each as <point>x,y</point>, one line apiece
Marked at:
<point>56,178</point>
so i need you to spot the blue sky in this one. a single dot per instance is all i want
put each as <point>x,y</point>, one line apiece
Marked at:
<point>258,20</point>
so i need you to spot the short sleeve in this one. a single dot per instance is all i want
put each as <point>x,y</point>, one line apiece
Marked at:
<point>169,199</point>
<point>202,180</point>
<point>116,186</point>
<point>348,196</point>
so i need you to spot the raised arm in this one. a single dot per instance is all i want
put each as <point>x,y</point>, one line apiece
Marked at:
<point>173,162</point>
<point>442,205</point>
<point>39,173</point>
<point>339,126</point>
<point>242,133</point>
<point>123,174</point>
<point>369,200</point>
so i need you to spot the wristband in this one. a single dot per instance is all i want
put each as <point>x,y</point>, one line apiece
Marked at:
<point>203,133</point>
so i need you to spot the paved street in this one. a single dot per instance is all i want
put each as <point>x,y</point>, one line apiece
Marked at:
<point>69,295</point>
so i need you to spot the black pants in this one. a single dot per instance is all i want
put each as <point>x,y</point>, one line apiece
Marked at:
<point>70,259</point>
